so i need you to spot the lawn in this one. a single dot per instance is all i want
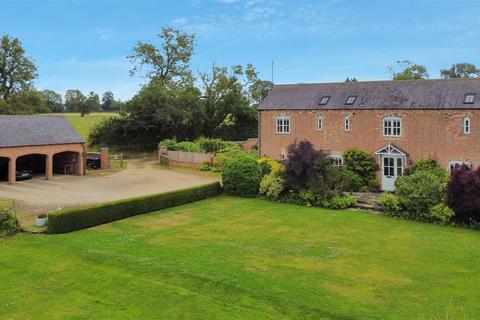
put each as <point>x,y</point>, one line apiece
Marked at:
<point>232,258</point>
<point>85,124</point>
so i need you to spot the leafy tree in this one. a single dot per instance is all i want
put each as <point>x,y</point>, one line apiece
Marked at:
<point>91,103</point>
<point>351,80</point>
<point>410,71</point>
<point>74,99</point>
<point>108,101</point>
<point>26,101</point>
<point>229,98</point>
<point>53,100</point>
<point>16,70</point>
<point>463,195</point>
<point>169,62</point>
<point>460,70</point>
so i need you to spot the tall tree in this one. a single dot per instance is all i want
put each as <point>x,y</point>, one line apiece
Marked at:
<point>74,100</point>
<point>91,103</point>
<point>461,70</point>
<point>108,101</point>
<point>229,100</point>
<point>16,70</point>
<point>170,62</point>
<point>409,71</point>
<point>53,100</point>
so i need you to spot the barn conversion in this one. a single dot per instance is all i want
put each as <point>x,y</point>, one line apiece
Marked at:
<point>39,146</point>
<point>398,122</point>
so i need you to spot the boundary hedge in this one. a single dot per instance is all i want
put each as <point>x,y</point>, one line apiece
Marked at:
<point>71,219</point>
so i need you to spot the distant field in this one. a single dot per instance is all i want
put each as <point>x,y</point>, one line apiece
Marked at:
<point>85,124</point>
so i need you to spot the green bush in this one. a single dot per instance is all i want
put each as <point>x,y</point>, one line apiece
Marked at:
<point>351,181</point>
<point>373,185</point>
<point>360,162</point>
<point>441,213</point>
<point>390,204</point>
<point>339,201</point>
<point>188,146</point>
<point>169,143</point>
<point>67,220</point>
<point>229,153</point>
<point>241,176</point>
<point>214,145</point>
<point>8,222</point>
<point>430,165</point>
<point>272,185</point>
<point>419,193</point>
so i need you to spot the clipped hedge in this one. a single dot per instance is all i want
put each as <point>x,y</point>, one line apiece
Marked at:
<point>71,219</point>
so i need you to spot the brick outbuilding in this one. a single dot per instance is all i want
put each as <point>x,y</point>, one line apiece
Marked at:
<point>398,122</point>
<point>42,145</point>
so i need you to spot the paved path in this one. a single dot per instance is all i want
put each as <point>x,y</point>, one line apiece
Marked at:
<point>140,178</point>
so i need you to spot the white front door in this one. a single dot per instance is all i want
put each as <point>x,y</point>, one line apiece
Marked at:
<point>392,167</point>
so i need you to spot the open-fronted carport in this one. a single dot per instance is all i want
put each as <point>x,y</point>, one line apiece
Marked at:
<point>42,145</point>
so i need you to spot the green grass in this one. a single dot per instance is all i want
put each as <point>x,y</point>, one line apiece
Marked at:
<point>85,124</point>
<point>232,258</point>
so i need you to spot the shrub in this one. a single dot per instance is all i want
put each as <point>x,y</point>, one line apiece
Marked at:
<point>67,220</point>
<point>430,165</point>
<point>351,181</point>
<point>390,204</point>
<point>188,146</point>
<point>441,213</point>
<point>463,195</point>
<point>213,145</point>
<point>8,222</point>
<point>310,169</point>
<point>272,185</point>
<point>241,176</point>
<point>171,144</point>
<point>268,165</point>
<point>339,201</point>
<point>229,153</point>
<point>373,185</point>
<point>419,193</point>
<point>360,162</point>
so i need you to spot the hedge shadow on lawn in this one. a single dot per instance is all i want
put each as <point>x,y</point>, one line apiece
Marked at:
<point>71,219</point>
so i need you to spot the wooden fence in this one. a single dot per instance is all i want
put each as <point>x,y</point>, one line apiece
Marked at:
<point>184,158</point>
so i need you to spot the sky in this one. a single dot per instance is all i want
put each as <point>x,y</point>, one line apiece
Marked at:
<point>83,44</point>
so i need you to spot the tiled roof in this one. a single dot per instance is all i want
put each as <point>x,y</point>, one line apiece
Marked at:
<point>406,94</point>
<point>21,131</point>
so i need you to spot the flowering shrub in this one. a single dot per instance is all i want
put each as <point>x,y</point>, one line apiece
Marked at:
<point>272,185</point>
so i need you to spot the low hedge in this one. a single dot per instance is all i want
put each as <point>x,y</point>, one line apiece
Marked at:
<point>71,219</point>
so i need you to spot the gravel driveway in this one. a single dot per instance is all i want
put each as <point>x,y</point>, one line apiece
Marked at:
<point>140,178</point>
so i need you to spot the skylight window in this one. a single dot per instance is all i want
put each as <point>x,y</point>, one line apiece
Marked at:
<point>469,98</point>
<point>324,100</point>
<point>350,100</point>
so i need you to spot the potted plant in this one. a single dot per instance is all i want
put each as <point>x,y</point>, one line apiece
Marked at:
<point>41,220</point>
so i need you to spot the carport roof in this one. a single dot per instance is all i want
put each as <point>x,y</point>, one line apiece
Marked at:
<point>23,131</point>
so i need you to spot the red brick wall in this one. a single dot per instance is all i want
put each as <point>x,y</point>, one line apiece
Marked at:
<point>425,133</point>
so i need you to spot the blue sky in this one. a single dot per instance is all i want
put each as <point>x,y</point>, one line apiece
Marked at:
<point>82,44</point>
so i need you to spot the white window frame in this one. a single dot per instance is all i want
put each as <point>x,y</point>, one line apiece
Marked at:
<point>394,131</point>
<point>337,160</point>
<point>346,123</point>
<point>283,124</point>
<point>467,125</point>
<point>455,163</point>
<point>319,123</point>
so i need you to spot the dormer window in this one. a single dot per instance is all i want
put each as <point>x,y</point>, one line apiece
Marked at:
<point>469,98</point>
<point>324,100</point>
<point>350,100</point>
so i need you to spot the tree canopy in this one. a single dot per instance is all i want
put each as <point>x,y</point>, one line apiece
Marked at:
<point>16,70</point>
<point>409,71</point>
<point>170,62</point>
<point>461,70</point>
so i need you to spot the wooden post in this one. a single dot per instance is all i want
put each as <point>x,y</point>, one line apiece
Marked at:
<point>12,170</point>
<point>48,166</point>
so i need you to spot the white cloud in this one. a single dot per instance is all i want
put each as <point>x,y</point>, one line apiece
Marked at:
<point>102,34</point>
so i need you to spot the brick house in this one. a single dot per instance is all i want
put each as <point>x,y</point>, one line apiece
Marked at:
<point>398,122</point>
<point>44,145</point>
